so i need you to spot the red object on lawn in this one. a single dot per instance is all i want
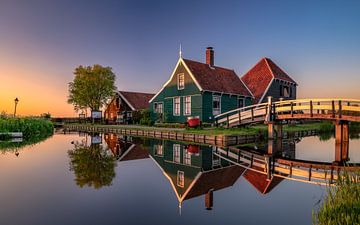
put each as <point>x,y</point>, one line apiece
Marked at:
<point>193,121</point>
<point>193,149</point>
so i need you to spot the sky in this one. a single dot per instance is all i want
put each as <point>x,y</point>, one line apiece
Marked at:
<point>42,41</point>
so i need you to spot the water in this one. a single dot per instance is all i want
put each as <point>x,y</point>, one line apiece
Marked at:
<point>150,182</point>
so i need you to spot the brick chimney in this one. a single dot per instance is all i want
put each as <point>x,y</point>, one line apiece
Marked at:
<point>210,56</point>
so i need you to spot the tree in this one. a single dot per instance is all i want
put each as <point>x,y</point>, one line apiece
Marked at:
<point>92,87</point>
<point>92,166</point>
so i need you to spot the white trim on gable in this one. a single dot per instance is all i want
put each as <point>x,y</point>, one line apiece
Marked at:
<point>252,95</point>
<point>173,74</point>
<point>127,102</point>
<point>266,90</point>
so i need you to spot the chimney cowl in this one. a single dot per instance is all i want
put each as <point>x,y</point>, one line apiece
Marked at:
<point>210,56</point>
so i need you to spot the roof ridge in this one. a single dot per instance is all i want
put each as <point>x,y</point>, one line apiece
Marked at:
<point>269,67</point>
<point>137,92</point>
<point>211,66</point>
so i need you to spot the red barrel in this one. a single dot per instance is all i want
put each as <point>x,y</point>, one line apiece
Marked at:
<point>193,121</point>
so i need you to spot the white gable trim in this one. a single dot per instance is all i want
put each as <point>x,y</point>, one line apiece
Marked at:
<point>127,102</point>
<point>252,95</point>
<point>266,90</point>
<point>173,74</point>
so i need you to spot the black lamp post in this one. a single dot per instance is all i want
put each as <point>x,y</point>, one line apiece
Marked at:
<point>16,102</point>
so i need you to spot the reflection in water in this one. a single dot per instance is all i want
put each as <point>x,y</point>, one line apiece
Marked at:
<point>92,165</point>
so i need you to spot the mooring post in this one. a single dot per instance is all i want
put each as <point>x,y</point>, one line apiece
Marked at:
<point>341,141</point>
<point>279,128</point>
<point>209,199</point>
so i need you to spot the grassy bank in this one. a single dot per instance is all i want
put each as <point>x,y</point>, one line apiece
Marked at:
<point>249,130</point>
<point>342,204</point>
<point>30,127</point>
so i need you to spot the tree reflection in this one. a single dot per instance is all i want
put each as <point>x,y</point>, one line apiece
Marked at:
<point>92,166</point>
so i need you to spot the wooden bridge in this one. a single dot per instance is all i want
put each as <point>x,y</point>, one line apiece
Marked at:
<point>308,109</point>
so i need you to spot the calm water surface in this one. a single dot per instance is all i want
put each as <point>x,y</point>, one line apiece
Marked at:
<point>66,180</point>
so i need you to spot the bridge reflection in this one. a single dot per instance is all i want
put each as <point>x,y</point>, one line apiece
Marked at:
<point>200,170</point>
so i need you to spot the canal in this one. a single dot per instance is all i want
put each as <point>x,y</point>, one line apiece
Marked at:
<point>78,178</point>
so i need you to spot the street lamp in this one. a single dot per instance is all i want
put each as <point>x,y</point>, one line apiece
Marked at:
<point>16,102</point>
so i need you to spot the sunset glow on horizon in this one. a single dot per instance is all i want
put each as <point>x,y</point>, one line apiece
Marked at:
<point>42,42</point>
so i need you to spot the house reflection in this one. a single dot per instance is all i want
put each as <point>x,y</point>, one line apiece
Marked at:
<point>193,170</point>
<point>126,148</point>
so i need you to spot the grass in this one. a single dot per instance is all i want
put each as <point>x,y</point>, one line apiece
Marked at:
<point>34,130</point>
<point>249,130</point>
<point>30,127</point>
<point>342,203</point>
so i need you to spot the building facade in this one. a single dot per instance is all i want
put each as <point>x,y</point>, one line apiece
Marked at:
<point>121,107</point>
<point>199,90</point>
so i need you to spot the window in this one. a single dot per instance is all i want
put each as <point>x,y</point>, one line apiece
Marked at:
<point>176,106</point>
<point>180,178</point>
<point>187,158</point>
<point>285,91</point>
<point>159,151</point>
<point>216,105</point>
<point>181,81</point>
<point>187,104</point>
<point>176,153</point>
<point>158,107</point>
<point>241,102</point>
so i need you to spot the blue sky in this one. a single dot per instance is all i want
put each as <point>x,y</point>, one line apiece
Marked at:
<point>316,42</point>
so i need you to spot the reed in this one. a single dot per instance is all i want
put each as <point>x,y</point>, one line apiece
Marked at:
<point>342,203</point>
<point>29,126</point>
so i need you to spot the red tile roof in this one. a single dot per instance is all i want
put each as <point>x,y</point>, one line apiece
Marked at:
<point>258,78</point>
<point>260,181</point>
<point>215,179</point>
<point>136,99</point>
<point>216,78</point>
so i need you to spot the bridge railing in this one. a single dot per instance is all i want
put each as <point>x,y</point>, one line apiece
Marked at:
<point>236,116</point>
<point>319,108</point>
<point>298,108</point>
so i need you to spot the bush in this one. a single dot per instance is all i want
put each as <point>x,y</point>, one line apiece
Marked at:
<point>30,127</point>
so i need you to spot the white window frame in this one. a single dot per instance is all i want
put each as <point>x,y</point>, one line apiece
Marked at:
<point>217,111</point>
<point>180,179</point>
<point>176,153</point>
<point>187,108</point>
<point>159,150</point>
<point>156,108</point>
<point>181,86</point>
<point>175,112</point>
<point>187,158</point>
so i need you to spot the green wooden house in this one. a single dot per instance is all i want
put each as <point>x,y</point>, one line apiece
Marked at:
<point>201,90</point>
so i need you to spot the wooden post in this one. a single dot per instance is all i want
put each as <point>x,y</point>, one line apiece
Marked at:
<point>341,142</point>
<point>311,108</point>
<point>252,114</point>
<point>209,200</point>
<point>340,109</point>
<point>228,121</point>
<point>333,108</point>
<point>292,109</point>
<point>239,117</point>
<point>318,111</point>
<point>217,122</point>
<point>271,130</point>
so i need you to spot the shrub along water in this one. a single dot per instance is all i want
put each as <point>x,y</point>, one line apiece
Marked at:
<point>30,127</point>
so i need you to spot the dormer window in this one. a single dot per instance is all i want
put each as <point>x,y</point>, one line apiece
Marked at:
<point>181,81</point>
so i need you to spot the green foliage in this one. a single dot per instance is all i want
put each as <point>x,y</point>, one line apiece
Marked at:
<point>342,204</point>
<point>145,118</point>
<point>30,127</point>
<point>92,166</point>
<point>92,87</point>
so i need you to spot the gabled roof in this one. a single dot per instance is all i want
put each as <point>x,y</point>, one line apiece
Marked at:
<point>136,100</point>
<point>215,180</point>
<point>217,79</point>
<point>214,78</point>
<point>259,77</point>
